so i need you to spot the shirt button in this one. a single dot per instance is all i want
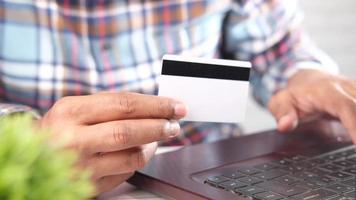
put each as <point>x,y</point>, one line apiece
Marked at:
<point>106,46</point>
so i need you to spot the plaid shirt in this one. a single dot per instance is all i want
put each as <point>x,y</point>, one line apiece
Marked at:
<point>50,49</point>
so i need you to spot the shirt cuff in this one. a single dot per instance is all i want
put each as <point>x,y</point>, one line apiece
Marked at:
<point>330,68</point>
<point>322,62</point>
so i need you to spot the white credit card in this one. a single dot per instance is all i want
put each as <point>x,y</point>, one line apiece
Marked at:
<point>214,90</point>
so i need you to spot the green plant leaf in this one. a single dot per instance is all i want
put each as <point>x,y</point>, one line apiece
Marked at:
<point>32,169</point>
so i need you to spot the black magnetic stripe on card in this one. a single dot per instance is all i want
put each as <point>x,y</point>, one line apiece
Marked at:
<point>202,70</point>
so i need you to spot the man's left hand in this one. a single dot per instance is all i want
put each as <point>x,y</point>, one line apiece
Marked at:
<point>310,94</point>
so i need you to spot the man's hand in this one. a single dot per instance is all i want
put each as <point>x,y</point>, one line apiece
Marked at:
<point>310,94</point>
<point>114,133</point>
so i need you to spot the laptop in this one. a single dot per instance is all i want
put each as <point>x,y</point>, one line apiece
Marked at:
<point>316,161</point>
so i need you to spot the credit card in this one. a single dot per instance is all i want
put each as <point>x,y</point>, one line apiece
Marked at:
<point>214,90</point>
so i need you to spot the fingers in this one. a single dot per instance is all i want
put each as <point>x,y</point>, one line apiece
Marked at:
<point>108,183</point>
<point>332,97</point>
<point>124,134</point>
<point>342,105</point>
<point>282,107</point>
<point>288,122</point>
<point>349,121</point>
<point>347,114</point>
<point>121,162</point>
<point>104,107</point>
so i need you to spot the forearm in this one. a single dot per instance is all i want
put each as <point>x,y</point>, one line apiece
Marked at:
<point>273,40</point>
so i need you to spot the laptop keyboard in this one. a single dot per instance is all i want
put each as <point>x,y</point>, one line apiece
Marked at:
<point>328,176</point>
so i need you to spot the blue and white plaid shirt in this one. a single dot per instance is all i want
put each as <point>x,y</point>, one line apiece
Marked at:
<point>50,49</point>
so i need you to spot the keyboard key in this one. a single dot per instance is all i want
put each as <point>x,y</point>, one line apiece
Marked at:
<point>266,166</point>
<point>233,175</point>
<point>351,170</point>
<point>294,168</point>
<point>342,154</point>
<point>250,180</point>
<point>317,161</point>
<point>268,196</point>
<point>352,159</point>
<point>250,190</point>
<point>286,180</point>
<point>307,164</point>
<point>271,174</point>
<point>291,191</point>
<point>305,175</point>
<point>320,171</point>
<point>283,162</point>
<point>339,197</point>
<point>331,167</point>
<point>340,188</point>
<point>346,153</point>
<point>343,163</point>
<point>231,185</point>
<point>330,157</point>
<point>309,185</point>
<point>340,175</point>
<point>316,195</point>
<point>298,158</point>
<point>350,152</point>
<point>350,182</point>
<point>323,180</point>
<point>216,180</point>
<point>283,189</point>
<point>249,171</point>
<point>350,194</point>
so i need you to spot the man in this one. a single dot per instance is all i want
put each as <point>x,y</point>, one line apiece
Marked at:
<point>78,48</point>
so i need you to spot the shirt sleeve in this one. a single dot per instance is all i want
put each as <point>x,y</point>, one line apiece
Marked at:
<point>7,109</point>
<point>268,33</point>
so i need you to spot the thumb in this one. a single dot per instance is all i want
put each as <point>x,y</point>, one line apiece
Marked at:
<point>282,107</point>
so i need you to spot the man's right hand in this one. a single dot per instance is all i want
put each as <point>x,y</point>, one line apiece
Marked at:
<point>114,133</point>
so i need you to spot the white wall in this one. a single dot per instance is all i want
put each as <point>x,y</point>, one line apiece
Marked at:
<point>332,25</point>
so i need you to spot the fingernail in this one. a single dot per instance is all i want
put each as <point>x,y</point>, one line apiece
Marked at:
<point>180,110</point>
<point>282,124</point>
<point>172,128</point>
<point>295,124</point>
<point>287,123</point>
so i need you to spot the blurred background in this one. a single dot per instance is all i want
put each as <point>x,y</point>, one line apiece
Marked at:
<point>332,25</point>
